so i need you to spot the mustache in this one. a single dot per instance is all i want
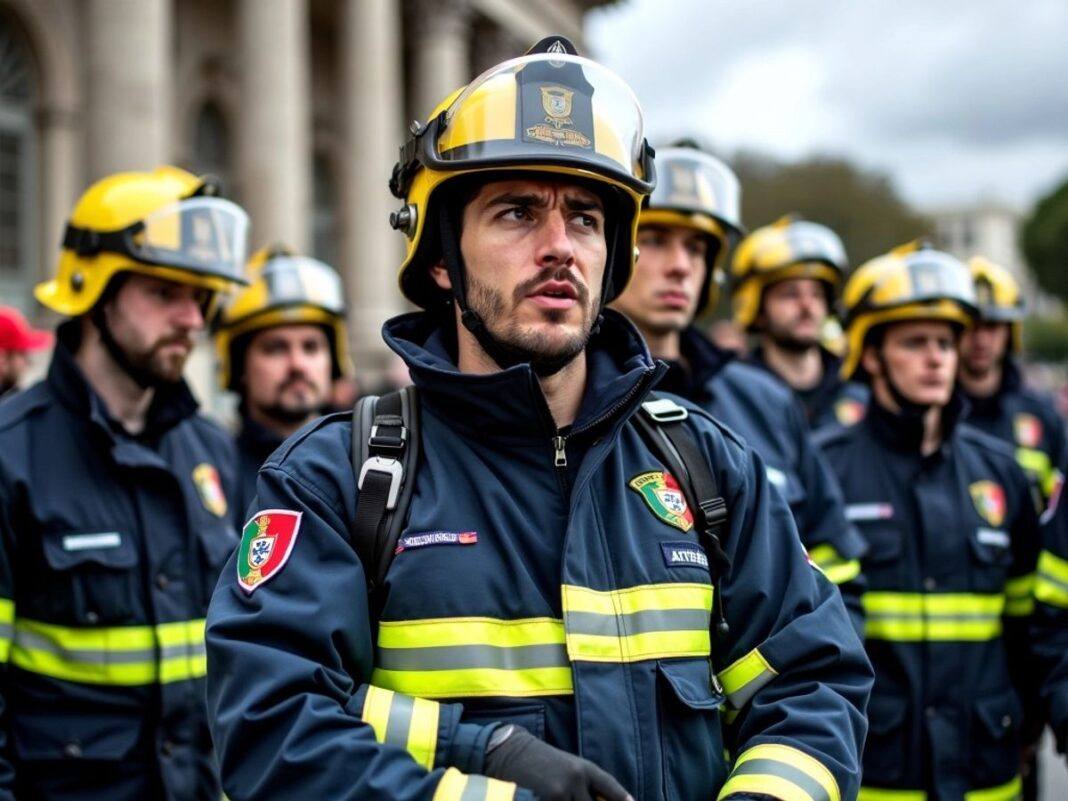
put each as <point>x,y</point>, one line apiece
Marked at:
<point>552,274</point>
<point>294,378</point>
<point>174,339</point>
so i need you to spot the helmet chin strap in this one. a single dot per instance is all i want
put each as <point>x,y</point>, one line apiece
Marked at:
<point>504,354</point>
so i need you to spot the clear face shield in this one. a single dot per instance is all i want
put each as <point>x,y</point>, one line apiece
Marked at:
<point>303,281</point>
<point>693,182</point>
<point>809,241</point>
<point>206,235</point>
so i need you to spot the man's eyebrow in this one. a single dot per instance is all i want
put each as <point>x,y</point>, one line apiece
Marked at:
<point>530,199</point>
<point>582,204</point>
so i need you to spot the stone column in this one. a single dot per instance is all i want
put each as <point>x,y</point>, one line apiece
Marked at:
<point>274,156</point>
<point>371,108</point>
<point>129,54</point>
<point>440,57</point>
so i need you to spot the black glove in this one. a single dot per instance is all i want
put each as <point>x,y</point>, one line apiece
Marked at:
<point>516,755</point>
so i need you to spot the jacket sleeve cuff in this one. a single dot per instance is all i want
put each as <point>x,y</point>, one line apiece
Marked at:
<point>468,750</point>
<point>457,786</point>
<point>780,772</point>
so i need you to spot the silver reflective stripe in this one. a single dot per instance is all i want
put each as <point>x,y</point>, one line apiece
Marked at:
<point>400,720</point>
<point>476,789</point>
<point>992,536</point>
<point>772,767</point>
<point>459,657</point>
<point>7,631</point>
<point>742,696</point>
<point>82,542</point>
<point>643,622</point>
<point>33,641</point>
<point>869,511</point>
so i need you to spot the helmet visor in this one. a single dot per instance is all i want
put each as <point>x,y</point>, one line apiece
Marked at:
<point>546,108</point>
<point>205,235</point>
<point>923,276</point>
<point>302,281</point>
<point>809,241</point>
<point>695,183</point>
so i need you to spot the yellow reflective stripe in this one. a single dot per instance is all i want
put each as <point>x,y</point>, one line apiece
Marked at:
<point>7,619</point>
<point>1051,583</point>
<point>376,706</point>
<point>1019,595</point>
<point>878,794</point>
<point>456,786</point>
<point>783,772</point>
<point>637,599</point>
<point>476,682</point>
<point>832,565</point>
<point>653,621</point>
<point>423,736</point>
<point>743,678</point>
<point>401,720</point>
<point>945,617</point>
<point>469,631</point>
<point>124,655</point>
<point>475,656</point>
<point>1009,791</point>
<point>1038,463</point>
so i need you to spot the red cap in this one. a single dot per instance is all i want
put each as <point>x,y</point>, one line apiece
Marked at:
<point>17,334</point>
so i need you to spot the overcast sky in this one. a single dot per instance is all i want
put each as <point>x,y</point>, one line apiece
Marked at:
<point>957,99</point>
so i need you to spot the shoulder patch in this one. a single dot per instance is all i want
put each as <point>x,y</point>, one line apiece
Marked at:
<point>989,500</point>
<point>664,497</point>
<point>849,411</point>
<point>266,542</point>
<point>209,487</point>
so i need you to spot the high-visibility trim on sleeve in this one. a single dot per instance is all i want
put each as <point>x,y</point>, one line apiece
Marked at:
<point>783,772</point>
<point>1019,595</point>
<point>1039,465</point>
<point>831,563</point>
<point>406,722</point>
<point>742,679</point>
<point>1051,582</point>
<point>456,786</point>
<point>7,627</point>
<point>121,655</point>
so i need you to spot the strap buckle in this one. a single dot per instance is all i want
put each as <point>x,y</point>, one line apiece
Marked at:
<point>664,410</point>
<point>390,467</point>
<point>391,442</point>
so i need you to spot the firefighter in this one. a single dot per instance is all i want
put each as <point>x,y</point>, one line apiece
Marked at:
<point>543,627</point>
<point>952,535</point>
<point>280,345</point>
<point>685,234</point>
<point>18,339</point>
<point>786,278</point>
<point>113,505</point>
<point>999,403</point>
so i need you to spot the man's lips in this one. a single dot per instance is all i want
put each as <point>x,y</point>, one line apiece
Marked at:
<point>554,295</point>
<point>673,299</point>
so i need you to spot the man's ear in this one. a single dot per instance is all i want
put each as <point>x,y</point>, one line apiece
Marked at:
<point>870,361</point>
<point>441,276</point>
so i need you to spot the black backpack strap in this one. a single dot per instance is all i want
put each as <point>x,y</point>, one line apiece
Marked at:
<point>385,453</point>
<point>662,423</point>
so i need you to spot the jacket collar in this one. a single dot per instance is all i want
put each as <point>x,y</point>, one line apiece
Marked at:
<point>510,402</point>
<point>256,439</point>
<point>171,404</point>
<point>903,431</point>
<point>701,361</point>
